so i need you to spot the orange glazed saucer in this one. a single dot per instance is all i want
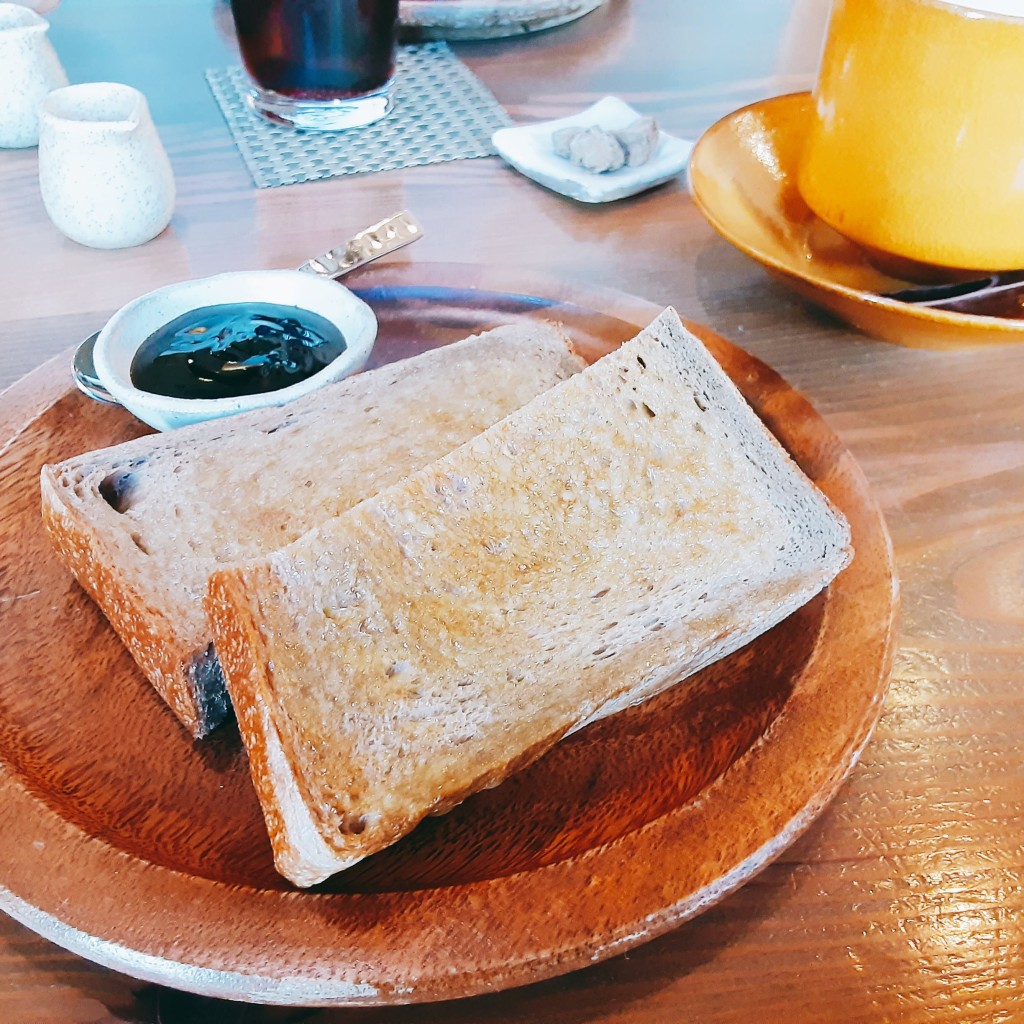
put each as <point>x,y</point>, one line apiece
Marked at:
<point>743,179</point>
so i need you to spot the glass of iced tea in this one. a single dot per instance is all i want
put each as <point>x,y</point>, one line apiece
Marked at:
<point>318,64</point>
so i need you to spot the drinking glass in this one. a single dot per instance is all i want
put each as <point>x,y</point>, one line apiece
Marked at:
<point>318,64</point>
<point>915,144</point>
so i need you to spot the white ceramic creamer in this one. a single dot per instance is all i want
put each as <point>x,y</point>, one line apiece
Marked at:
<point>104,175</point>
<point>29,69</point>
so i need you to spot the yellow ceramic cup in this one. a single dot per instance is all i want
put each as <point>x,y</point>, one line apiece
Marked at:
<point>916,144</point>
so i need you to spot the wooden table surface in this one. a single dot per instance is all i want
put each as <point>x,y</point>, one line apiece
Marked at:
<point>905,900</point>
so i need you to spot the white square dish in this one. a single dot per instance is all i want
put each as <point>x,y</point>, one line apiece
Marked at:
<point>529,150</point>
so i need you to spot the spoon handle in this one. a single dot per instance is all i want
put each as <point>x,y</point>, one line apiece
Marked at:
<point>995,295</point>
<point>371,243</point>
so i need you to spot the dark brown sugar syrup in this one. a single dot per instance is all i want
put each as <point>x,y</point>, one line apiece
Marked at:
<point>235,349</point>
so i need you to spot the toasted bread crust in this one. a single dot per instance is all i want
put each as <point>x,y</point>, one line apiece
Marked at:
<point>155,642</point>
<point>617,534</point>
<point>141,525</point>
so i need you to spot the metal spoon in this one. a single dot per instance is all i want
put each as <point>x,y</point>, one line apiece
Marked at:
<point>995,295</point>
<point>370,244</point>
<point>83,372</point>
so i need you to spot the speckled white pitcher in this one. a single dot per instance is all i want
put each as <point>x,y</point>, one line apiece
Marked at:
<point>103,173</point>
<point>29,69</point>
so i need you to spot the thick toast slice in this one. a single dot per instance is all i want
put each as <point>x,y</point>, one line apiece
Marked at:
<point>621,531</point>
<point>143,524</point>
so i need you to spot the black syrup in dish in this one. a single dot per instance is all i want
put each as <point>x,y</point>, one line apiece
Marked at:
<point>235,349</point>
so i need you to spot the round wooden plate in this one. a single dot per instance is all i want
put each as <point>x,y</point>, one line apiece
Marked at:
<point>126,842</point>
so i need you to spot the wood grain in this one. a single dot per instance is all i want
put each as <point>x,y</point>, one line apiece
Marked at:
<point>638,823</point>
<point>903,902</point>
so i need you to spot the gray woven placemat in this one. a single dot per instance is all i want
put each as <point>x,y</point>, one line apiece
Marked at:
<point>442,111</point>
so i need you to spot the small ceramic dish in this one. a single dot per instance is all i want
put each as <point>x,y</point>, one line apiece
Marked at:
<point>743,179</point>
<point>528,149</point>
<point>130,326</point>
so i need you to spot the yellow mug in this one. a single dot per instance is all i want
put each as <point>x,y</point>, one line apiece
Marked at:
<point>916,142</point>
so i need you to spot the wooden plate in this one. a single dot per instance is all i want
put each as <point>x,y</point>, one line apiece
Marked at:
<point>743,178</point>
<point>126,842</point>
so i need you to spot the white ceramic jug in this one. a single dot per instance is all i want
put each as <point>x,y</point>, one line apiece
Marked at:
<point>29,69</point>
<point>103,173</point>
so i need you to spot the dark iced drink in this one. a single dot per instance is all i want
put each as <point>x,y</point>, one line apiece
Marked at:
<point>319,63</point>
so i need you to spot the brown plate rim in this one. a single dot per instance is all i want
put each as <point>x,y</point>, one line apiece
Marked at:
<point>168,928</point>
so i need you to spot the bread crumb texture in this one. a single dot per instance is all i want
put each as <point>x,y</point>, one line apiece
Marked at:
<point>155,516</point>
<point>621,531</point>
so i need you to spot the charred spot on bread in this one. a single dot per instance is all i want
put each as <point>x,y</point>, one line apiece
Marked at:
<point>118,488</point>
<point>209,694</point>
